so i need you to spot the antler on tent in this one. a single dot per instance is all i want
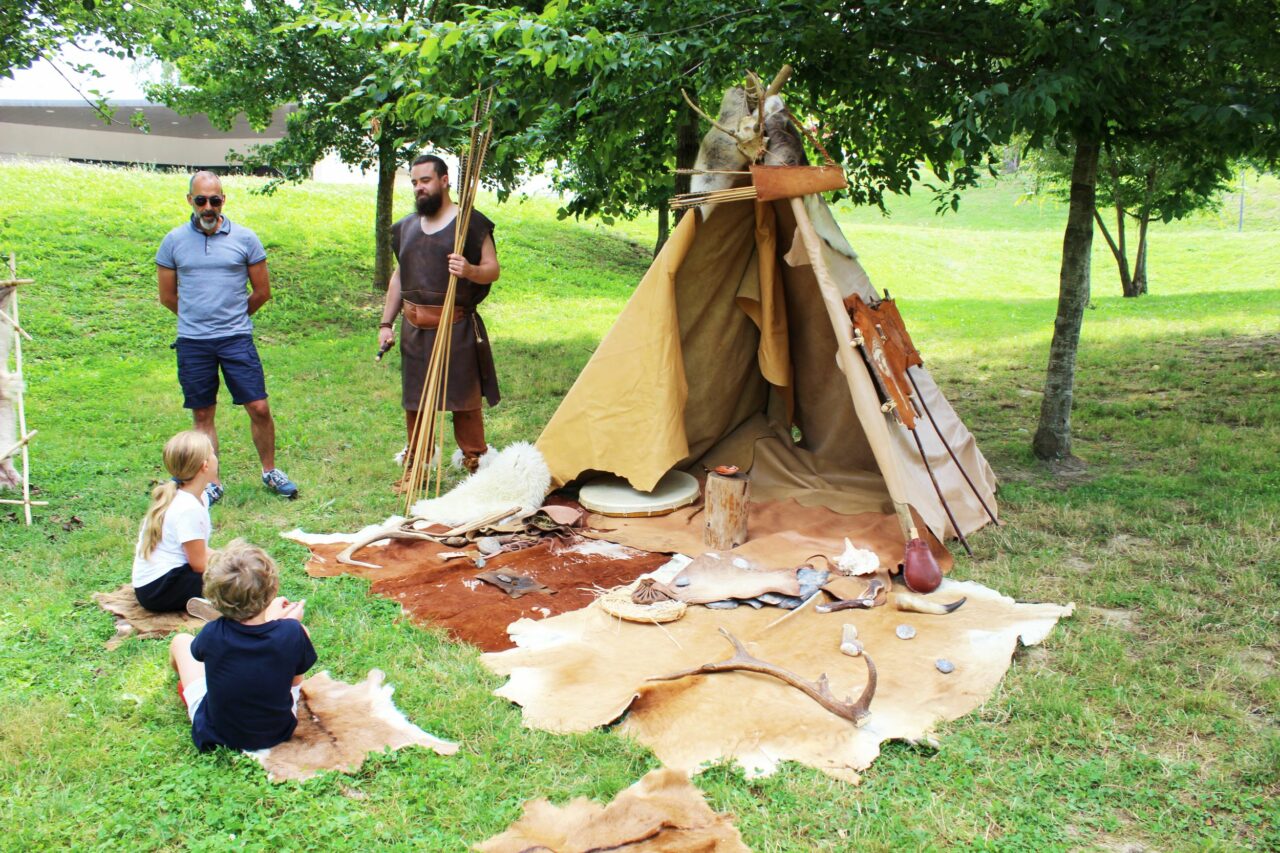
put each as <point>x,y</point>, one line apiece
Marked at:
<point>819,691</point>
<point>717,125</point>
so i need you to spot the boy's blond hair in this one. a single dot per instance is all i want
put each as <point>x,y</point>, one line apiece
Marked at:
<point>241,580</point>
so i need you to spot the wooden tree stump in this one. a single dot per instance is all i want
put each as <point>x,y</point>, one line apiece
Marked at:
<point>727,499</point>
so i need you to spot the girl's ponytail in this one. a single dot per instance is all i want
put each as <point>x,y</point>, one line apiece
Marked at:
<point>153,522</point>
<point>184,456</point>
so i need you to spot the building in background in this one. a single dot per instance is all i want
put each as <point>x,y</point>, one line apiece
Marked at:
<point>73,130</point>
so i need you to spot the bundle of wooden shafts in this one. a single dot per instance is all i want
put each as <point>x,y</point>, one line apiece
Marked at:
<point>428,438</point>
<point>713,197</point>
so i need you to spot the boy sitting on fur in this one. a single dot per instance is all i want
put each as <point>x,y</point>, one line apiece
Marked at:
<point>239,677</point>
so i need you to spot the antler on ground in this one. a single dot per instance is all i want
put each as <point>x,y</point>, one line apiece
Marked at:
<point>401,530</point>
<point>819,691</point>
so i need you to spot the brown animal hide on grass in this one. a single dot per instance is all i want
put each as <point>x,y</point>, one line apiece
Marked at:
<point>586,669</point>
<point>134,619</point>
<point>780,534</point>
<point>662,813</point>
<point>445,593</point>
<point>339,724</point>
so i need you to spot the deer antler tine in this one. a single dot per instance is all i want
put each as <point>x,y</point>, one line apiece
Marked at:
<point>717,125</point>
<point>819,691</point>
<point>862,708</point>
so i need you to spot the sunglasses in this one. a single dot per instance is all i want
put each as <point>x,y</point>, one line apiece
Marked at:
<point>202,200</point>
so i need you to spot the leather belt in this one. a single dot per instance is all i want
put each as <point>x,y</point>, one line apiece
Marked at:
<point>428,316</point>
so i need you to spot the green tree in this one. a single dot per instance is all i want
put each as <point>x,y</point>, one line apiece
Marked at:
<point>1196,76</point>
<point>895,84</point>
<point>595,87</point>
<point>31,30</point>
<point>1138,184</point>
<point>254,58</point>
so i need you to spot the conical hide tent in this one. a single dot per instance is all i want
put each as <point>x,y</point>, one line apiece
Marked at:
<point>736,348</point>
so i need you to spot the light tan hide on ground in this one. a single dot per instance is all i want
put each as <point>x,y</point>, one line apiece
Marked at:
<point>781,534</point>
<point>339,724</point>
<point>662,813</point>
<point>584,669</point>
<point>134,619</point>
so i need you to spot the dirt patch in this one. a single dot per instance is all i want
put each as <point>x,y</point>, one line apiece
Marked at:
<point>1258,663</point>
<point>1077,564</point>
<point>1124,846</point>
<point>1124,542</point>
<point>1114,618</point>
<point>446,594</point>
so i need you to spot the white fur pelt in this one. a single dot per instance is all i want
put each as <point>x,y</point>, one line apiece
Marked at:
<point>516,476</point>
<point>8,426</point>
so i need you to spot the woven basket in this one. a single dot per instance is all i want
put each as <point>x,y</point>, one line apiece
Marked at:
<point>617,602</point>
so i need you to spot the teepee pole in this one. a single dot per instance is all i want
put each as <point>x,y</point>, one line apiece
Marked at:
<point>947,445</point>
<point>865,402</point>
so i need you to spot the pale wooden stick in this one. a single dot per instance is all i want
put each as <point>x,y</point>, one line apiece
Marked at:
<point>479,522</point>
<point>14,282</point>
<point>25,503</point>
<point>22,411</point>
<point>14,323</point>
<point>16,447</point>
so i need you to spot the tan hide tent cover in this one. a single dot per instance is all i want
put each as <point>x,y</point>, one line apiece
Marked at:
<point>738,323</point>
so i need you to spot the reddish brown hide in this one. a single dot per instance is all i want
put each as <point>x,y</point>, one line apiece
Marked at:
<point>446,594</point>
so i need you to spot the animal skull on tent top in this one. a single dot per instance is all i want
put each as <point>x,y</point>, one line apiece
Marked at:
<point>752,125</point>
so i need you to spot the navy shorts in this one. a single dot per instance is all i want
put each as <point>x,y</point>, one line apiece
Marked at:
<point>171,590</point>
<point>198,363</point>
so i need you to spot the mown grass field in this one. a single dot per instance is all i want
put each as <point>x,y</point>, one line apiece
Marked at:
<point>1150,718</point>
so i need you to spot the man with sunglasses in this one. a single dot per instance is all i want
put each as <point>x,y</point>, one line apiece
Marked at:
<point>213,275</point>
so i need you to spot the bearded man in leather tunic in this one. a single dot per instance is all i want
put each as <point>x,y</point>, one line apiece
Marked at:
<point>423,244</point>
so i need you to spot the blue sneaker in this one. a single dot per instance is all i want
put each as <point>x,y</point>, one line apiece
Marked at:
<point>276,481</point>
<point>212,493</point>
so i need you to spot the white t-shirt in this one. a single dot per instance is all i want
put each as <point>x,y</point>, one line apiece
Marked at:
<point>186,519</point>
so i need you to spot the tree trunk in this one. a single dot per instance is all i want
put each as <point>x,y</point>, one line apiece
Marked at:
<point>664,228</point>
<point>1117,251</point>
<point>1140,264</point>
<point>687,143</point>
<point>1139,285</point>
<point>383,262</point>
<point>1053,435</point>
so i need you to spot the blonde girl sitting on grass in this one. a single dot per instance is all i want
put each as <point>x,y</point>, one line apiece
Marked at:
<point>173,544</point>
<point>240,676</point>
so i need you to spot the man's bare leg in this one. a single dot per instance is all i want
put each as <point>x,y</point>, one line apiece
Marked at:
<point>263,428</point>
<point>203,420</point>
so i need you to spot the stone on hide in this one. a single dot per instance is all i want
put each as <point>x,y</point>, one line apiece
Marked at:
<point>905,632</point>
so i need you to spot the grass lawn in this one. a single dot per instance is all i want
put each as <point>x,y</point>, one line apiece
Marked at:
<point>1149,718</point>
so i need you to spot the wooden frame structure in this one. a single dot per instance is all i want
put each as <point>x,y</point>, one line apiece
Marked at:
<point>9,317</point>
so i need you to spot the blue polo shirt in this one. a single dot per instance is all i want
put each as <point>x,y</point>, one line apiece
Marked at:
<point>213,277</point>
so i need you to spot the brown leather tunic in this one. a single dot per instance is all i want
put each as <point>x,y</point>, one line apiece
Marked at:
<point>424,277</point>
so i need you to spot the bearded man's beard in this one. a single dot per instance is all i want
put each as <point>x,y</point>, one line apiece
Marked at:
<point>428,205</point>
